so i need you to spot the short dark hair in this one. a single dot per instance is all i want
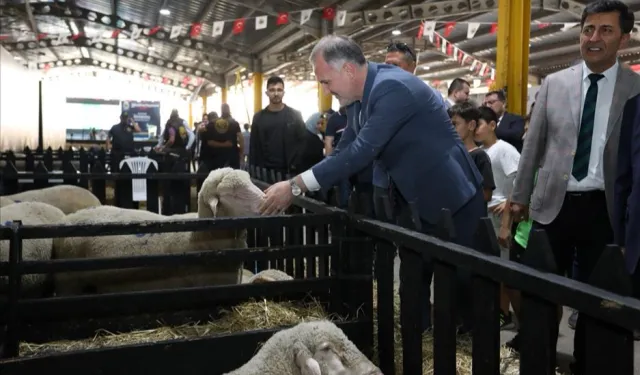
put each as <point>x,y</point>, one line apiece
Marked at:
<point>627,18</point>
<point>402,48</point>
<point>457,85</point>
<point>499,94</point>
<point>212,116</point>
<point>466,110</point>
<point>487,114</point>
<point>274,80</point>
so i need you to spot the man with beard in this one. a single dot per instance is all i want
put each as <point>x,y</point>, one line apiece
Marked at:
<point>277,133</point>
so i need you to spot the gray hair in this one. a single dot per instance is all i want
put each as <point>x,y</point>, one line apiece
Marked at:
<point>337,50</point>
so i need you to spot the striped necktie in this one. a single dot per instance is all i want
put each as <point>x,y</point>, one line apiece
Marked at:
<point>583,151</point>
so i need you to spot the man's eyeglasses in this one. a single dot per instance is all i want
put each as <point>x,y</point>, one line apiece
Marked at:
<point>401,47</point>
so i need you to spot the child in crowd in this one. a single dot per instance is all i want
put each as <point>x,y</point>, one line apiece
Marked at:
<point>465,117</point>
<point>504,163</point>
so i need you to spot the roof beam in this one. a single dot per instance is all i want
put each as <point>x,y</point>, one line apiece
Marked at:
<point>108,66</point>
<point>108,48</point>
<point>78,13</point>
<point>31,21</point>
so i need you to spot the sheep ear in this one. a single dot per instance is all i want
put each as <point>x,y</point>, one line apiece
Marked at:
<point>306,364</point>
<point>213,204</point>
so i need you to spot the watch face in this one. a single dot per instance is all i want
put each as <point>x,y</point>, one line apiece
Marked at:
<point>296,190</point>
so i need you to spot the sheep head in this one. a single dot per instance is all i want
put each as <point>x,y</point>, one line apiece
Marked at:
<point>229,192</point>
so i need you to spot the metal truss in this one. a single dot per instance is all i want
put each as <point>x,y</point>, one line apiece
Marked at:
<point>117,51</point>
<point>112,67</point>
<point>62,10</point>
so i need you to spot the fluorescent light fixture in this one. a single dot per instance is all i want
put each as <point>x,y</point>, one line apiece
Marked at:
<point>85,52</point>
<point>396,32</point>
<point>74,28</point>
<point>426,67</point>
<point>151,48</point>
<point>165,12</point>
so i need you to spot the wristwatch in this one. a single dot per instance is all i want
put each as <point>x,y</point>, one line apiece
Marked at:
<point>295,189</point>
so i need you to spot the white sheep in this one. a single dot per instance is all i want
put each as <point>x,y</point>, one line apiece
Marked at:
<point>68,198</point>
<point>225,192</point>
<point>309,348</point>
<point>4,201</point>
<point>30,213</point>
<point>268,276</point>
<point>246,275</point>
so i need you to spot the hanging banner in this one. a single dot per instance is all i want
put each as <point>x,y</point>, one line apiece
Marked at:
<point>145,113</point>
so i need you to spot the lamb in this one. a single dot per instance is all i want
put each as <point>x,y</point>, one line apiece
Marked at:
<point>225,192</point>
<point>289,352</point>
<point>30,213</point>
<point>68,198</point>
<point>268,276</point>
<point>5,201</point>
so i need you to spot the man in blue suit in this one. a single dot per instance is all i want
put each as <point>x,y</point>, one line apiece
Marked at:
<point>405,131</point>
<point>626,215</point>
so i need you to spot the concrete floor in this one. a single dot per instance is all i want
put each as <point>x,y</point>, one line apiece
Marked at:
<point>565,341</point>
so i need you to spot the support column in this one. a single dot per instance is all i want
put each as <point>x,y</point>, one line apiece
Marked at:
<point>223,90</point>
<point>324,98</point>
<point>257,78</point>
<point>512,65</point>
<point>190,120</point>
<point>204,104</point>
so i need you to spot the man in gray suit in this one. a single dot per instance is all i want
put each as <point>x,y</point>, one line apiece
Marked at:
<point>573,143</point>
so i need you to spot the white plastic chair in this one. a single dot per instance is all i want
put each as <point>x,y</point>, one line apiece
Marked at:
<point>139,185</point>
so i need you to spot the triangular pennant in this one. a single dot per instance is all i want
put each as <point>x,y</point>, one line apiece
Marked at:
<point>218,28</point>
<point>420,31</point>
<point>493,74</point>
<point>482,68</point>
<point>569,25</point>
<point>328,13</point>
<point>41,36</point>
<point>154,30</point>
<point>261,22</point>
<point>196,30</point>
<point>429,30</point>
<point>448,28</point>
<point>62,39</point>
<point>283,18</point>
<point>494,28</point>
<point>472,29</point>
<point>238,26</point>
<point>175,31</point>
<point>115,33</point>
<point>135,32</point>
<point>444,46</point>
<point>341,18</point>
<point>455,53</point>
<point>305,16</point>
<point>473,65</point>
<point>450,50</point>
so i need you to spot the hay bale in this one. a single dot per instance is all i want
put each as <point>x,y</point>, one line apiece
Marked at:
<point>248,316</point>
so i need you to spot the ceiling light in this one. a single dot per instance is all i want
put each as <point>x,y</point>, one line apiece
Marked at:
<point>426,67</point>
<point>396,32</point>
<point>165,12</point>
<point>151,48</point>
<point>17,57</point>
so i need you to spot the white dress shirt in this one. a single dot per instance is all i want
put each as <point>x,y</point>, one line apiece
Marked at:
<point>606,86</point>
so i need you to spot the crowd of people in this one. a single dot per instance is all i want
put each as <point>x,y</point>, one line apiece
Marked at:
<point>570,167</point>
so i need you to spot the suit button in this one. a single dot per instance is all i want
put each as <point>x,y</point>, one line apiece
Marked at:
<point>566,177</point>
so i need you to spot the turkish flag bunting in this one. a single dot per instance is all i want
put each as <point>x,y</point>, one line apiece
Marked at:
<point>196,29</point>
<point>238,26</point>
<point>449,49</point>
<point>420,30</point>
<point>543,25</point>
<point>76,36</point>
<point>165,80</point>
<point>145,76</point>
<point>460,56</point>
<point>186,80</point>
<point>448,28</point>
<point>328,13</point>
<point>494,28</point>
<point>41,36</point>
<point>154,30</point>
<point>437,41</point>
<point>283,18</point>
<point>115,33</point>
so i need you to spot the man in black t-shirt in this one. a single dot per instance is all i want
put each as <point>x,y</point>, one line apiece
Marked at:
<point>219,147</point>
<point>120,136</point>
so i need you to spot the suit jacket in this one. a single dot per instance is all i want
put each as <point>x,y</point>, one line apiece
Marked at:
<point>553,137</point>
<point>511,130</point>
<point>405,129</point>
<point>626,220</point>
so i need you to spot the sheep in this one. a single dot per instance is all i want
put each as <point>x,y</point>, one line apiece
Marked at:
<point>30,213</point>
<point>68,198</point>
<point>246,276</point>
<point>289,352</point>
<point>225,192</point>
<point>268,276</point>
<point>5,201</point>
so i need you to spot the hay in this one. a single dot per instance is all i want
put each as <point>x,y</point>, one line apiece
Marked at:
<point>251,315</point>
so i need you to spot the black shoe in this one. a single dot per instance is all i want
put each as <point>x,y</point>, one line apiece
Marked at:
<point>573,319</point>
<point>506,321</point>
<point>514,343</point>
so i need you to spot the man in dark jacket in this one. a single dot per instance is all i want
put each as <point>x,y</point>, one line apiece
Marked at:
<point>510,127</point>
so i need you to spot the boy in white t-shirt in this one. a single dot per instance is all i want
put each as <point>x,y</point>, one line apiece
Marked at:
<point>504,164</point>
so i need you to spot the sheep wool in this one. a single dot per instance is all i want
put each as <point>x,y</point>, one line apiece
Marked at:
<point>281,353</point>
<point>268,276</point>
<point>68,198</point>
<point>4,201</point>
<point>30,213</point>
<point>223,188</point>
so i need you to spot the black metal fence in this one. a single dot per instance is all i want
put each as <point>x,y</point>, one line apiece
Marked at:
<point>342,282</point>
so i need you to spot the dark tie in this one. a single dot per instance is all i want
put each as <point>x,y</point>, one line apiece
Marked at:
<point>583,151</point>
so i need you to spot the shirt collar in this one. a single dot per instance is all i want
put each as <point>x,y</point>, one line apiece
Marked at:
<point>609,74</point>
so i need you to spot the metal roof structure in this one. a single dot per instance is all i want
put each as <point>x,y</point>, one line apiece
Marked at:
<point>81,32</point>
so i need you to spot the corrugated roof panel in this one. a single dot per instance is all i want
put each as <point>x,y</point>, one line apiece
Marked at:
<point>145,12</point>
<point>102,6</point>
